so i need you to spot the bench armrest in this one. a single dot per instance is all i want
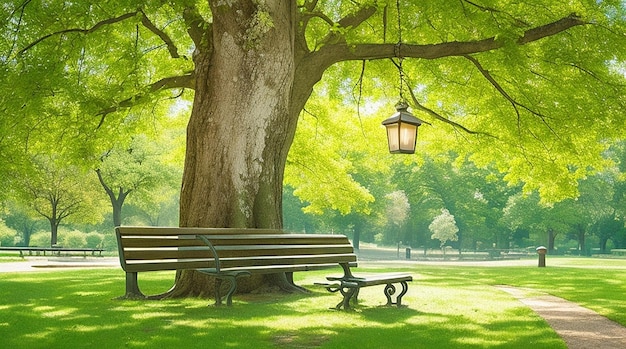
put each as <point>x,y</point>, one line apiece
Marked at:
<point>213,251</point>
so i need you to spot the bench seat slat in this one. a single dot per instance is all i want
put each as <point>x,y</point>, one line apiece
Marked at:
<point>252,264</point>
<point>286,260</point>
<point>273,268</point>
<point>372,280</point>
<point>228,263</point>
<point>279,239</point>
<point>175,231</point>
<point>157,265</point>
<point>268,250</point>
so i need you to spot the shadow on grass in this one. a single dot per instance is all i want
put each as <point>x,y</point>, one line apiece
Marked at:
<point>75,309</point>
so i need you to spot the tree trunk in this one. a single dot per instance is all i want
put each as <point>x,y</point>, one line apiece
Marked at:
<point>356,238</point>
<point>53,233</point>
<point>603,242</point>
<point>240,130</point>
<point>551,237</point>
<point>54,222</point>
<point>117,203</point>
<point>581,240</point>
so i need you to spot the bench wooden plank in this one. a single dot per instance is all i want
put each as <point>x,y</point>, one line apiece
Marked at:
<point>259,265</point>
<point>373,280</point>
<point>230,251</point>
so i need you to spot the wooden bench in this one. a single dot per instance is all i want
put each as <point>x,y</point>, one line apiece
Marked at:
<point>230,253</point>
<point>52,250</point>
<point>618,252</point>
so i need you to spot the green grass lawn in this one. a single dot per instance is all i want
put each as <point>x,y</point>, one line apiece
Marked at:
<point>448,307</point>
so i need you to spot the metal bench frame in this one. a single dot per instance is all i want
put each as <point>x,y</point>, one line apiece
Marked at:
<point>349,285</point>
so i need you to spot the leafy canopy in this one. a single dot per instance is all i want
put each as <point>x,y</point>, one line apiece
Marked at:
<point>539,95</point>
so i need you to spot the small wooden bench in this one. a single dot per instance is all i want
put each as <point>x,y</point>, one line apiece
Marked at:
<point>350,285</point>
<point>52,250</point>
<point>618,252</point>
<point>230,253</point>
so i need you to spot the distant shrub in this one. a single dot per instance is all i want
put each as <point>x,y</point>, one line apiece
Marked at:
<point>94,240</point>
<point>110,242</point>
<point>74,238</point>
<point>40,239</point>
<point>379,238</point>
<point>7,235</point>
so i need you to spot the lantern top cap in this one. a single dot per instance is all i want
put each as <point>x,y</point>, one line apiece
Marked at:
<point>402,115</point>
<point>402,105</point>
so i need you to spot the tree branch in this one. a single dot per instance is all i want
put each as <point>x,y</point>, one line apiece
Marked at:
<point>563,24</point>
<point>161,34</point>
<point>144,20</point>
<point>494,11</point>
<point>21,8</point>
<point>79,30</point>
<point>350,21</point>
<point>341,51</point>
<point>185,81</point>
<point>195,25</point>
<point>495,84</point>
<point>511,100</point>
<point>440,117</point>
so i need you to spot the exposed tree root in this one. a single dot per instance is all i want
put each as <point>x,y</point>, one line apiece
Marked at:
<point>203,286</point>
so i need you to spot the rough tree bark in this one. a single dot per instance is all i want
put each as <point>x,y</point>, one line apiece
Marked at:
<point>242,123</point>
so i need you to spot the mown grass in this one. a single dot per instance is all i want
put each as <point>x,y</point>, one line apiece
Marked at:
<point>448,307</point>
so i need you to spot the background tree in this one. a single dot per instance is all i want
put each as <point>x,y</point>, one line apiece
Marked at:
<point>444,228</point>
<point>7,235</point>
<point>396,212</point>
<point>60,193</point>
<point>23,220</point>
<point>137,168</point>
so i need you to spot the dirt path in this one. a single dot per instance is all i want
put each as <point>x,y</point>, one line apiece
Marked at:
<point>580,328</point>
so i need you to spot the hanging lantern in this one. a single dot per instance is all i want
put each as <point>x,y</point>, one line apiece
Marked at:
<point>402,130</point>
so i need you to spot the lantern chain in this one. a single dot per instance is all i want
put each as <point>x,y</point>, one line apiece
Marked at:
<point>398,54</point>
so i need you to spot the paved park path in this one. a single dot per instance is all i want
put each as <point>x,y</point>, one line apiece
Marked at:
<point>580,328</point>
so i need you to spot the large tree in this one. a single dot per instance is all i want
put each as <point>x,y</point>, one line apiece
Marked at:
<point>535,86</point>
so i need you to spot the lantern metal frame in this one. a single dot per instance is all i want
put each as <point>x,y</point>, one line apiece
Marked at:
<point>402,130</point>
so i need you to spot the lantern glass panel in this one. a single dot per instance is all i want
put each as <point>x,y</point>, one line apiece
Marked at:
<point>407,134</point>
<point>393,137</point>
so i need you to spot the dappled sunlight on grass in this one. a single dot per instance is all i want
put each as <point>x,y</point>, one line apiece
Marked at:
<point>447,306</point>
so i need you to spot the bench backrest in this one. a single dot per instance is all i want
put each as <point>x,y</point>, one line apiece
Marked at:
<point>264,250</point>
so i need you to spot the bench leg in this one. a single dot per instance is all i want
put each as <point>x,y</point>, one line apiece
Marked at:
<point>405,288</point>
<point>132,287</point>
<point>229,294</point>
<point>348,294</point>
<point>390,290</point>
<point>232,279</point>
